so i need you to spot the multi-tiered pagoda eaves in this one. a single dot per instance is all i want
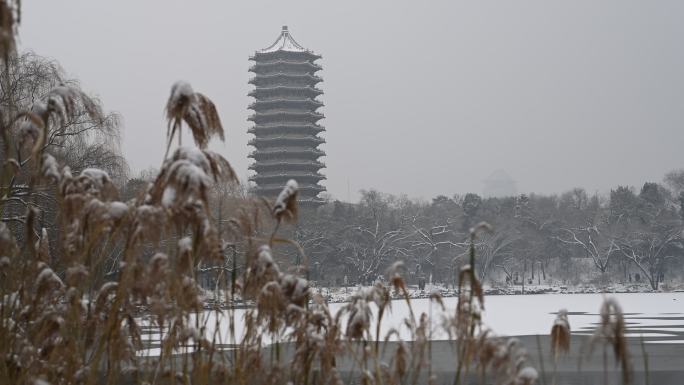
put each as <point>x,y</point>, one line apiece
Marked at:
<point>285,120</point>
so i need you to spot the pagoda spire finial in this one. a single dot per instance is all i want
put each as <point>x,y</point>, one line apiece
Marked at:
<point>284,42</point>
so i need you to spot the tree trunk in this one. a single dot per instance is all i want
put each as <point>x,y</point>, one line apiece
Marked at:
<point>523,275</point>
<point>654,282</point>
<point>532,269</point>
<point>539,275</point>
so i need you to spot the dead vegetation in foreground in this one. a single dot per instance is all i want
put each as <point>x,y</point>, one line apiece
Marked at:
<point>70,326</point>
<point>62,322</point>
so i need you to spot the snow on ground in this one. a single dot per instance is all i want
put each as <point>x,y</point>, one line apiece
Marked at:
<point>343,294</point>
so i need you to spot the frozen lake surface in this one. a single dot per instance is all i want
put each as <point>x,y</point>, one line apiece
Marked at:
<point>650,314</point>
<point>658,317</point>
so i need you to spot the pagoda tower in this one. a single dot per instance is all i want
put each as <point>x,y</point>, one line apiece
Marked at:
<point>285,120</point>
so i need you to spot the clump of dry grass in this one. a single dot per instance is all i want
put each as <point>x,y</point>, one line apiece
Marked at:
<point>72,325</point>
<point>504,360</point>
<point>76,329</point>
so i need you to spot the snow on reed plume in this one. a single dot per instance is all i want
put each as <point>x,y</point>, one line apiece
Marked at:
<point>285,207</point>
<point>610,332</point>
<point>560,334</point>
<point>196,110</point>
<point>10,16</point>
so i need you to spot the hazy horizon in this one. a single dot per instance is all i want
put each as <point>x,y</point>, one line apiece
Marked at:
<point>420,99</point>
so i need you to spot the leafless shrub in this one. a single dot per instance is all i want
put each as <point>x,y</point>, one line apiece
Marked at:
<point>62,104</point>
<point>48,118</point>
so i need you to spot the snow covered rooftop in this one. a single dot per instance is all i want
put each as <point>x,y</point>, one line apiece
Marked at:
<point>285,42</point>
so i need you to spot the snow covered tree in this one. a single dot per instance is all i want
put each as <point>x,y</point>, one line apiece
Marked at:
<point>675,181</point>
<point>623,204</point>
<point>492,248</point>
<point>596,241</point>
<point>651,250</point>
<point>434,246</point>
<point>471,206</point>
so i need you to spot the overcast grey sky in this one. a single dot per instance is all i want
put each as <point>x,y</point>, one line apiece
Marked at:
<point>422,97</point>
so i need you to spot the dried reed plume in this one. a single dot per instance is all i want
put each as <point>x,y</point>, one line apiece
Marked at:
<point>611,332</point>
<point>7,243</point>
<point>560,334</point>
<point>188,174</point>
<point>43,247</point>
<point>10,17</point>
<point>90,206</point>
<point>285,207</point>
<point>180,192</point>
<point>198,112</point>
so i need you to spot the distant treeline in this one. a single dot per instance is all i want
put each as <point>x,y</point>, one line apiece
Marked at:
<point>631,236</point>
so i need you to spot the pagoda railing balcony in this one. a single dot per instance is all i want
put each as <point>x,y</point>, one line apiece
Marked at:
<point>279,187</point>
<point>276,113</point>
<point>267,128</point>
<point>287,150</point>
<point>291,127</point>
<point>291,82</point>
<point>280,54</point>
<point>285,101</point>
<point>284,111</point>
<point>288,139</point>
<point>266,106</point>
<point>287,88</point>
<point>286,164</point>
<point>276,75</point>
<point>286,176</point>
<point>287,126</point>
<point>278,91</point>
<point>263,144</point>
<point>288,136</point>
<point>313,67</point>
<point>297,153</point>
<point>292,121</point>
